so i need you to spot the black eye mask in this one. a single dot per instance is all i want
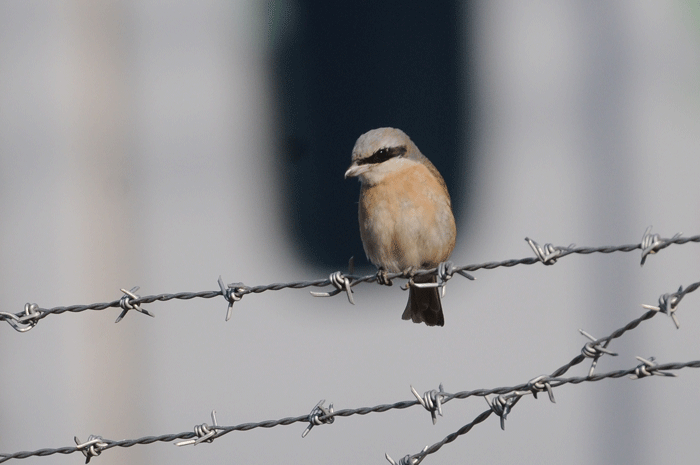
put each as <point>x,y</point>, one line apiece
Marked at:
<point>383,155</point>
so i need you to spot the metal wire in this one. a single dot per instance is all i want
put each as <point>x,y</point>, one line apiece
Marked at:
<point>105,444</point>
<point>501,405</point>
<point>547,254</point>
<point>505,398</point>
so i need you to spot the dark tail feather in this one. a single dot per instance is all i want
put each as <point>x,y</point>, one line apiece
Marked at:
<point>424,304</point>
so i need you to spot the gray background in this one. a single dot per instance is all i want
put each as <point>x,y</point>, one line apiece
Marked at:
<point>138,146</point>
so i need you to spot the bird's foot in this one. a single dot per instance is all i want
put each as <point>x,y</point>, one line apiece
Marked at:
<point>383,277</point>
<point>408,273</point>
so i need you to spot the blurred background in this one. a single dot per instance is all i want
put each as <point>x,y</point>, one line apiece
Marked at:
<point>162,146</point>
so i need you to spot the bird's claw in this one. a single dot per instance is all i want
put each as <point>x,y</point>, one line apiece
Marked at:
<point>409,273</point>
<point>383,278</point>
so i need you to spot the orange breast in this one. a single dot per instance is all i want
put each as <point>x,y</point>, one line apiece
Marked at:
<point>406,220</point>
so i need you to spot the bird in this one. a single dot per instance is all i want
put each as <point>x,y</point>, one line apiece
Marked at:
<point>405,215</point>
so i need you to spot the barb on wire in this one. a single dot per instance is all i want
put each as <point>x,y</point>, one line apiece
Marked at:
<point>444,272</point>
<point>341,283</point>
<point>669,302</point>
<point>539,384</point>
<point>548,255</point>
<point>204,432</point>
<point>90,448</point>
<point>509,396</point>
<point>652,243</point>
<point>648,368</point>
<point>319,416</point>
<point>232,293</point>
<point>408,460</point>
<point>502,404</point>
<point>127,303</point>
<point>431,401</point>
<point>104,444</point>
<point>595,349</point>
<point>23,322</point>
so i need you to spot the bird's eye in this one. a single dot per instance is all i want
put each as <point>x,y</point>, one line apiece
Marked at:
<point>383,155</point>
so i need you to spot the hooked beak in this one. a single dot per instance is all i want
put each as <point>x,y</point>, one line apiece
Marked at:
<point>356,170</point>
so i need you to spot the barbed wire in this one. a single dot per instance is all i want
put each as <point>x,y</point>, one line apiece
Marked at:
<point>547,255</point>
<point>508,397</point>
<point>95,445</point>
<point>501,404</point>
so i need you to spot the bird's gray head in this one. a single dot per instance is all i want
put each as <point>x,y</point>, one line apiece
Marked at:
<point>380,150</point>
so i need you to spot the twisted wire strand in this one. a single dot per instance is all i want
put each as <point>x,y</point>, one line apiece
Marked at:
<point>548,256</point>
<point>555,382</point>
<point>241,290</point>
<point>222,430</point>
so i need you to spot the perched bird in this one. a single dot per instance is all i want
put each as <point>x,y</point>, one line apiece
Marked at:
<point>406,220</point>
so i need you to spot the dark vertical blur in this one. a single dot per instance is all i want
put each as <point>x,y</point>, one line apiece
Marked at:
<point>343,68</point>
